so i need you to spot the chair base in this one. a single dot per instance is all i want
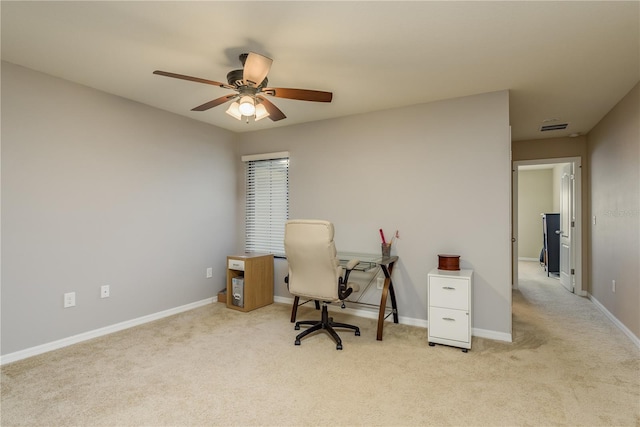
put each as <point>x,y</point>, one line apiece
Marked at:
<point>326,324</point>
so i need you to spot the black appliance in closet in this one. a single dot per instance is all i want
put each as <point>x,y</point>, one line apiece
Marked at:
<point>551,242</point>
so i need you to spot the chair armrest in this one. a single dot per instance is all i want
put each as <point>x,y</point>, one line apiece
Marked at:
<point>343,290</point>
<point>343,287</point>
<point>352,264</point>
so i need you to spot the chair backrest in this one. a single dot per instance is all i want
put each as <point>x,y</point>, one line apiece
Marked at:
<point>314,270</point>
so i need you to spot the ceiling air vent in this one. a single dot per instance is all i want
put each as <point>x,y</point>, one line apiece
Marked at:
<point>559,126</point>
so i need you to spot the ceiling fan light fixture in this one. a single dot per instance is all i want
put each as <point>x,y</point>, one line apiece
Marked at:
<point>234,111</point>
<point>256,68</point>
<point>261,112</point>
<point>247,106</point>
<point>250,85</point>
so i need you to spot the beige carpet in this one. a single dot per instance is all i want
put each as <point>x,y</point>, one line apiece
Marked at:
<point>568,365</point>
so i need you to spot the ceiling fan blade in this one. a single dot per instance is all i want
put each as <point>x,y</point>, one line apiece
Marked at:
<point>274,112</point>
<point>299,94</point>
<point>192,79</point>
<point>215,102</point>
<point>256,68</point>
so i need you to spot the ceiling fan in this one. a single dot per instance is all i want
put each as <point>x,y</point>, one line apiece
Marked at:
<point>250,85</point>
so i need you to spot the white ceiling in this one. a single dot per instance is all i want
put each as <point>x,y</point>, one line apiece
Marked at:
<point>570,61</point>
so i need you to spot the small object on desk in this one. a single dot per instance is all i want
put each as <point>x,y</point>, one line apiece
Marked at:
<point>449,262</point>
<point>395,236</point>
<point>382,237</point>
<point>386,250</point>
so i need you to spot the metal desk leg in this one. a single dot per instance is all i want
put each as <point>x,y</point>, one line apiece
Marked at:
<point>386,289</point>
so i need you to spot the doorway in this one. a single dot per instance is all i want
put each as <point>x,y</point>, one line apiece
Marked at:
<point>564,175</point>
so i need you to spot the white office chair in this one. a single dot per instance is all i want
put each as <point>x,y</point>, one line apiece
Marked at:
<point>315,272</point>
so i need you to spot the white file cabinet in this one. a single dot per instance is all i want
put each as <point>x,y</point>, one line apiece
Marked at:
<point>449,308</point>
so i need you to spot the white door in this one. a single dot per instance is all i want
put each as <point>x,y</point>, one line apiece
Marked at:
<point>567,221</point>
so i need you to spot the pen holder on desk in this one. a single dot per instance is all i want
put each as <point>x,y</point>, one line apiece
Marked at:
<point>386,250</point>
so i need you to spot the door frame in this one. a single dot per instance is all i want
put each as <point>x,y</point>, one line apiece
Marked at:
<point>567,207</point>
<point>578,230</point>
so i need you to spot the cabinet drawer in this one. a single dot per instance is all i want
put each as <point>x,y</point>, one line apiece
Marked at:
<point>236,264</point>
<point>449,324</point>
<point>449,292</point>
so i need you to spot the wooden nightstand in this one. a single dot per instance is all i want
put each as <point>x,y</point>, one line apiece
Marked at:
<point>249,281</point>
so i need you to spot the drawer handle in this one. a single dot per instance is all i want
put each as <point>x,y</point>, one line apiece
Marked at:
<point>449,319</point>
<point>449,288</point>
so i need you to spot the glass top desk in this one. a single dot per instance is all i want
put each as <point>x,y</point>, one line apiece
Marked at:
<point>367,263</point>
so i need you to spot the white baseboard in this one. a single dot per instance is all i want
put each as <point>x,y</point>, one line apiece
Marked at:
<point>492,335</point>
<point>421,323</point>
<point>44,348</point>
<point>34,351</point>
<point>283,300</point>
<point>634,339</point>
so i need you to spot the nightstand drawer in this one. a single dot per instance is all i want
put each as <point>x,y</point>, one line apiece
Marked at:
<point>449,324</point>
<point>235,264</point>
<point>449,293</point>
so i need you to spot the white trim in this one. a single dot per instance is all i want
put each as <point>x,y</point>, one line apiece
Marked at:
<point>492,335</point>
<point>550,161</point>
<point>579,285</point>
<point>75,339</point>
<point>421,323</point>
<point>634,339</point>
<point>85,336</point>
<point>513,215</point>
<point>265,156</point>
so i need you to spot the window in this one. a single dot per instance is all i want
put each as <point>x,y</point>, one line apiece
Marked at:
<point>267,202</point>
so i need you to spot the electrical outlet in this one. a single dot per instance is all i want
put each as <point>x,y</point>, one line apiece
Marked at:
<point>209,273</point>
<point>613,286</point>
<point>104,291</point>
<point>69,299</point>
<point>380,283</point>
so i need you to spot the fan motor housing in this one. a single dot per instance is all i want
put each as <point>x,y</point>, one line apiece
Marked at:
<point>236,77</point>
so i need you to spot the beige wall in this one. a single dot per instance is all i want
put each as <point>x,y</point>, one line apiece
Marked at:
<point>553,148</point>
<point>97,190</point>
<point>445,187</point>
<point>614,153</point>
<point>100,190</point>
<point>535,197</point>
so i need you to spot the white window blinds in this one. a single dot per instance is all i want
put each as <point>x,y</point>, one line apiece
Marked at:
<point>267,202</point>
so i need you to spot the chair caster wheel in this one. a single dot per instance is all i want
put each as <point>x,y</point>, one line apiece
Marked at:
<point>297,342</point>
<point>339,347</point>
<point>357,333</point>
<point>297,327</point>
<point>432,344</point>
<point>464,350</point>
